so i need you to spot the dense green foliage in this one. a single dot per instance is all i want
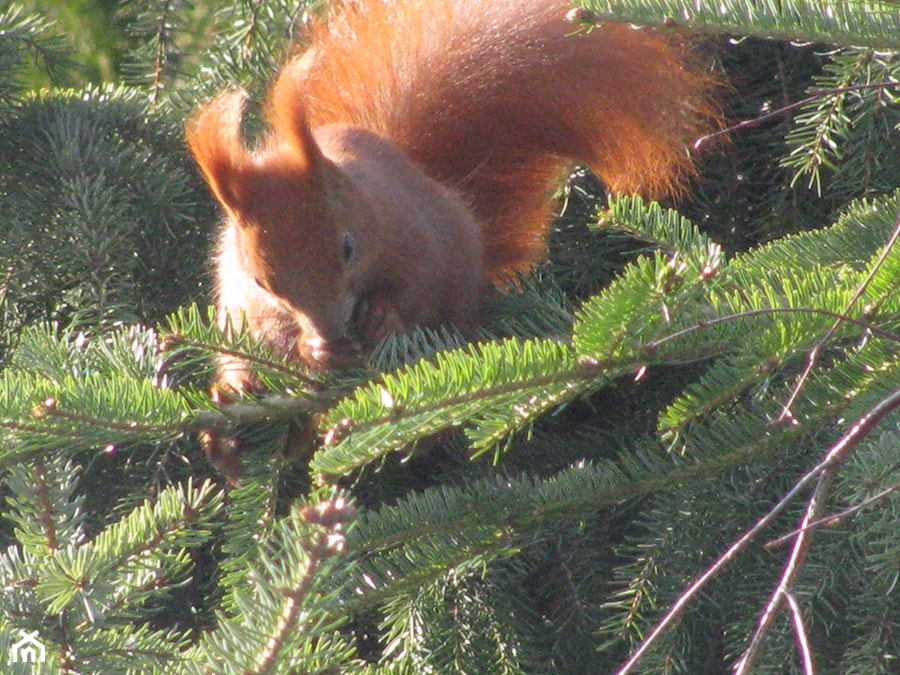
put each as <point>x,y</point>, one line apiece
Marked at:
<point>671,386</point>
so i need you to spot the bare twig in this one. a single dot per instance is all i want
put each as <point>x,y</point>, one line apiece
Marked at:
<point>809,666</point>
<point>792,568</point>
<point>833,518</point>
<point>698,584</point>
<point>813,358</point>
<point>266,408</point>
<point>815,94</point>
<point>835,455</point>
<point>654,345</point>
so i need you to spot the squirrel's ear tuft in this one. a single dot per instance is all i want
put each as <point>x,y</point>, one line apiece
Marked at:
<point>214,138</point>
<point>288,120</point>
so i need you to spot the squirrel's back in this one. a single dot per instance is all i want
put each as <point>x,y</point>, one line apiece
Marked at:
<point>495,99</point>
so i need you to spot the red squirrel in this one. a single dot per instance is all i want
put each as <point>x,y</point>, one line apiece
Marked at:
<point>410,156</point>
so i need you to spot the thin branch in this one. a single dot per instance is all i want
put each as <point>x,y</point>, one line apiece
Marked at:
<point>265,408</point>
<point>654,345</point>
<point>42,490</point>
<point>181,341</point>
<point>813,358</point>
<point>833,518</point>
<point>162,36</point>
<point>791,570</point>
<point>809,666</point>
<point>835,454</point>
<point>130,426</point>
<point>815,95</point>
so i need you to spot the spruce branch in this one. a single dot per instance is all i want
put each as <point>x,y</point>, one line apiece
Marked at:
<point>43,493</point>
<point>155,30</point>
<point>841,137</point>
<point>143,552</point>
<point>871,22</point>
<point>819,129</point>
<point>332,517</point>
<point>88,588</point>
<point>44,505</point>
<point>162,41</point>
<point>288,611</point>
<point>417,542</point>
<point>24,35</point>
<point>499,386</point>
<point>258,361</point>
<point>50,409</point>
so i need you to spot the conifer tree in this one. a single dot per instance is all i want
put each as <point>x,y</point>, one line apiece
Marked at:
<point>673,449</point>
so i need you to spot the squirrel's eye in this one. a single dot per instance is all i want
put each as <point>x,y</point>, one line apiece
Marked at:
<point>348,247</point>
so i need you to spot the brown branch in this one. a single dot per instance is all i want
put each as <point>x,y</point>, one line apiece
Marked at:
<point>835,455</point>
<point>654,345</point>
<point>813,357</point>
<point>180,340</point>
<point>266,408</point>
<point>809,666</point>
<point>792,569</point>
<point>815,94</point>
<point>833,518</point>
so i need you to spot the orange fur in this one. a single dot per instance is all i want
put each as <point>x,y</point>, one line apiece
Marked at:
<point>410,155</point>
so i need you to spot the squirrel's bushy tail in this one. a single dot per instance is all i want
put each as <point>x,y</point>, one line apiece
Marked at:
<point>495,98</point>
